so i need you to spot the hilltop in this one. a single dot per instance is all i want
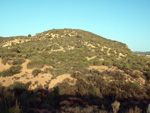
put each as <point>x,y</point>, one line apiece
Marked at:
<point>72,42</point>
<point>73,68</point>
<point>143,53</point>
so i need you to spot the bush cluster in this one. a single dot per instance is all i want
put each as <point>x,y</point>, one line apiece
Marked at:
<point>11,71</point>
<point>35,72</point>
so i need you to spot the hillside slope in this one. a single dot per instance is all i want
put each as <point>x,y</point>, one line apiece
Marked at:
<point>80,46</point>
<point>73,66</point>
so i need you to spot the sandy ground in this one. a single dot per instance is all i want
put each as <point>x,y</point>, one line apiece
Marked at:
<point>42,80</point>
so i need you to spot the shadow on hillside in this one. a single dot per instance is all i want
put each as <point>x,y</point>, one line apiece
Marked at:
<point>47,101</point>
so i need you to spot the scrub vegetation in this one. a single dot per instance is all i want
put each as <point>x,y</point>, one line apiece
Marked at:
<point>123,88</point>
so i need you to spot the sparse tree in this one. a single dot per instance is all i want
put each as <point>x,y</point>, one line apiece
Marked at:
<point>29,35</point>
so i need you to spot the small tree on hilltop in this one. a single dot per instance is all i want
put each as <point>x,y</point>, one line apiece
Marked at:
<point>29,35</point>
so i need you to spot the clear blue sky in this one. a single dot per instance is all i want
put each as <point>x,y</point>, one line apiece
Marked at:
<point>127,21</point>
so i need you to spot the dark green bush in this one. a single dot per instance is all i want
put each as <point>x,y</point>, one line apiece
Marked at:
<point>29,35</point>
<point>148,69</point>
<point>138,67</point>
<point>5,60</point>
<point>35,64</point>
<point>116,63</point>
<point>95,92</point>
<point>107,63</point>
<point>35,72</point>
<point>11,71</point>
<point>97,62</point>
<point>95,71</point>
<point>14,50</point>
<point>18,61</point>
<point>148,75</point>
<point>8,101</point>
<point>17,86</point>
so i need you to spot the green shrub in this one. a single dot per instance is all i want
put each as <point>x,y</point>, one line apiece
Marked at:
<point>148,69</point>
<point>61,92</point>
<point>29,35</point>
<point>17,86</point>
<point>11,71</point>
<point>95,71</point>
<point>15,50</point>
<point>138,67</point>
<point>18,61</point>
<point>5,60</point>
<point>35,72</point>
<point>107,63</point>
<point>60,71</point>
<point>95,91</point>
<point>148,75</point>
<point>116,63</point>
<point>97,62</point>
<point>35,64</point>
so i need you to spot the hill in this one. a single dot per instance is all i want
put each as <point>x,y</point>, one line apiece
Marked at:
<point>143,53</point>
<point>72,70</point>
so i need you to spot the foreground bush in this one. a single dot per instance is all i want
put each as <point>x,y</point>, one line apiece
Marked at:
<point>8,101</point>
